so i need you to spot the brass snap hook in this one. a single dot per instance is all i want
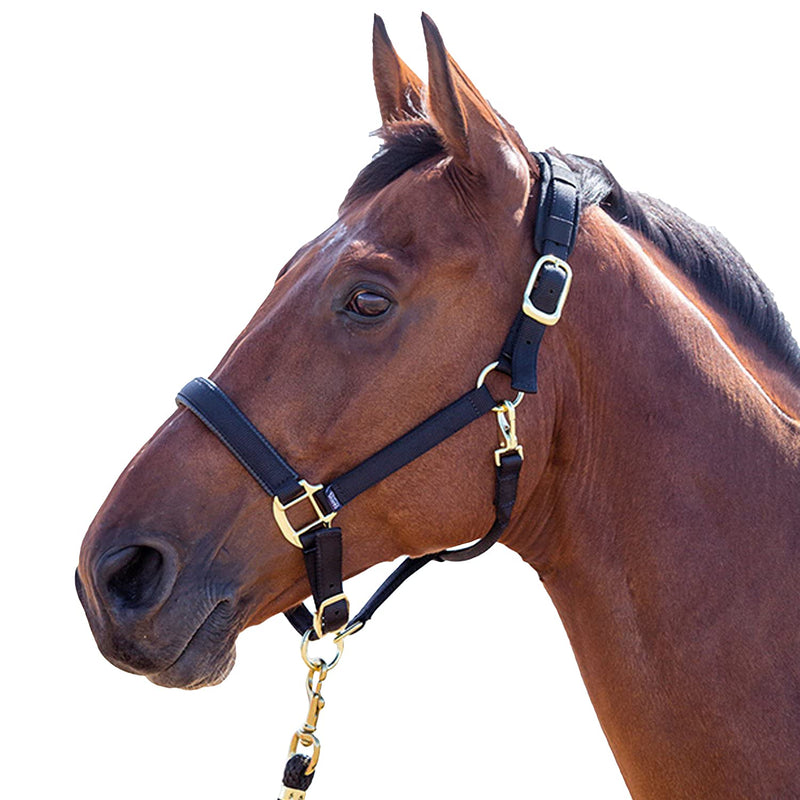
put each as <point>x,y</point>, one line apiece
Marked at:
<point>507,424</point>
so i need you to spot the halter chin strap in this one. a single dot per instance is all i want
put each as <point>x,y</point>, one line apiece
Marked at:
<point>556,227</point>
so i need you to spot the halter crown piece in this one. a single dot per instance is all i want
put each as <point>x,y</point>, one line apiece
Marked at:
<point>557,221</point>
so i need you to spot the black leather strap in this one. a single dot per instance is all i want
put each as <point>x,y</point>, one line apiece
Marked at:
<point>399,576</point>
<point>302,619</point>
<point>402,451</point>
<point>322,553</point>
<point>505,495</point>
<point>322,547</point>
<point>223,418</point>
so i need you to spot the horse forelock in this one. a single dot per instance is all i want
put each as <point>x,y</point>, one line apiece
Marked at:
<point>404,145</point>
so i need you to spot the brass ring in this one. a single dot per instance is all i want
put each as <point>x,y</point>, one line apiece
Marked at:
<point>318,663</point>
<point>485,371</point>
<point>482,378</point>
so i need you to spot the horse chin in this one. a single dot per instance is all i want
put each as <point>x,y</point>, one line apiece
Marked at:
<point>207,658</point>
<point>196,671</point>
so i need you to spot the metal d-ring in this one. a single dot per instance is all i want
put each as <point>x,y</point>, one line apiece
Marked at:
<point>506,403</point>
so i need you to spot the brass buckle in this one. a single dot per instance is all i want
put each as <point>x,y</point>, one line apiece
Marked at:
<point>529,309</point>
<point>325,604</point>
<point>279,510</point>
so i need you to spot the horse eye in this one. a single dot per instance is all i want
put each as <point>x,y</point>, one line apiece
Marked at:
<point>368,304</point>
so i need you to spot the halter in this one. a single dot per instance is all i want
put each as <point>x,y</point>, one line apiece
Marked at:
<point>557,220</point>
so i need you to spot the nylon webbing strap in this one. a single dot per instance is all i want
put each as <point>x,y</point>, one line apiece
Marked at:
<point>223,418</point>
<point>433,431</point>
<point>559,208</point>
<point>505,495</point>
<point>521,348</point>
<point>557,221</point>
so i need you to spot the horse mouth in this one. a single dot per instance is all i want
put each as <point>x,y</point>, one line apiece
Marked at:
<point>208,656</point>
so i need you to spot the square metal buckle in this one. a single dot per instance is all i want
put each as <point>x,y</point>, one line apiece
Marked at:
<point>529,309</point>
<point>287,529</point>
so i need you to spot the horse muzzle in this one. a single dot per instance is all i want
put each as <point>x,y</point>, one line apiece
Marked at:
<point>144,624</point>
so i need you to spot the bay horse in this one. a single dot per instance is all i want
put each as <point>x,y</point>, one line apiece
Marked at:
<point>659,501</point>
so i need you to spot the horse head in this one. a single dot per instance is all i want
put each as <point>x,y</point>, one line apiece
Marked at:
<point>371,327</point>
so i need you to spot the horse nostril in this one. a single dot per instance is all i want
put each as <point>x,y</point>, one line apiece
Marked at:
<point>132,576</point>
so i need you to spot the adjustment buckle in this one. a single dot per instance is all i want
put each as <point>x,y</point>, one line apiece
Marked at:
<point>329,601</point>
<point>529,309</point>
<point>279,510</point>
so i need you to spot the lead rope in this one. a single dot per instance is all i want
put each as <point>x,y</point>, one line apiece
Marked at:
<point>300,767</point>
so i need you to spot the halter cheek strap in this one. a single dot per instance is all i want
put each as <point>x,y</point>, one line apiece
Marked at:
<point>557,220</point>
<point>556,227</point>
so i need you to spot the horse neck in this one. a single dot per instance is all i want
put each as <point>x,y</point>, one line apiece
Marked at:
<point>665,528</point>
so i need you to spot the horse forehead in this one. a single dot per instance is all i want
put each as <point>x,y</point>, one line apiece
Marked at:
<point>423,208</point>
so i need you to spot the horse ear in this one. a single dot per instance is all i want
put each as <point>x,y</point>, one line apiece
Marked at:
<point>398,87</point>
<point>474,134</point>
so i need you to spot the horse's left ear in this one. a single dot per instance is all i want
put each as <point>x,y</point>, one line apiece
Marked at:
<point>475,135</point>
<point>398,88</point>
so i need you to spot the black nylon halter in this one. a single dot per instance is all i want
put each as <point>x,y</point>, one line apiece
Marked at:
<point>556,227</point>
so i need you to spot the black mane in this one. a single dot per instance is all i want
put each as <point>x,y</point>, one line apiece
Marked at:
<point>702,253</point>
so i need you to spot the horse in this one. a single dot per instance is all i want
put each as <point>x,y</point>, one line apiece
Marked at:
<point>658,497</point>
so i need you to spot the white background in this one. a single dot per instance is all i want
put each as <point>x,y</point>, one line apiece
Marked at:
<point>159,162</point>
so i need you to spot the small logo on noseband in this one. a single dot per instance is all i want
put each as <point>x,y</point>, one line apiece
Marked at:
<point>332,499</point>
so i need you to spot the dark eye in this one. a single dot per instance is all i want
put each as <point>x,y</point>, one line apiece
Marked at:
<point>366,303</point>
